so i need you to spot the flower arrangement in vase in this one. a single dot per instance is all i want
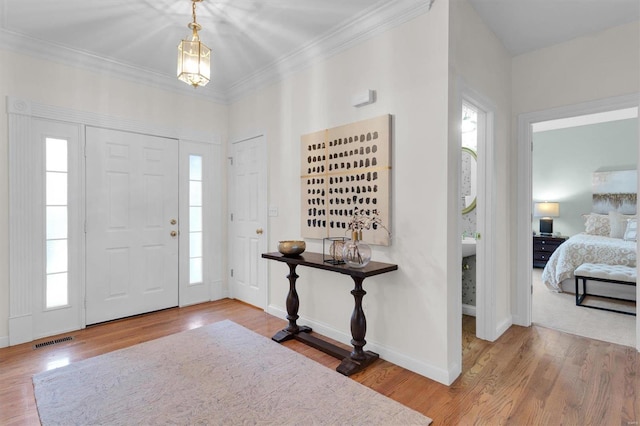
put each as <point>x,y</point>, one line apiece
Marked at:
<point>356,253</point>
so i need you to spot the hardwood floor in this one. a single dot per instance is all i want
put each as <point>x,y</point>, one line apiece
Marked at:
<point>530,376</point>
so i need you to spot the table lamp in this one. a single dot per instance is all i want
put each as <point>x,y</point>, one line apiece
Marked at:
<point>546,211</point>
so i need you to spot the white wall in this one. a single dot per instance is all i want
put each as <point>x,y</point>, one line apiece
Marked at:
<point>74,88</point>
<point>407,66</point>
<point>414,314</point>
<point>563,162</point>
<point>480,62</point>
<point>597,66</point>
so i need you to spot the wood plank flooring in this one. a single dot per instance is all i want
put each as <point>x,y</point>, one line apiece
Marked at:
<point>530,376</point>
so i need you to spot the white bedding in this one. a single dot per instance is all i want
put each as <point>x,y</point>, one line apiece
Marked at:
<point>585,248</point>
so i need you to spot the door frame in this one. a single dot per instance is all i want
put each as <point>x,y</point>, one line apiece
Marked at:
<point>486,325</point>
<point>524,243</point>
<point>264,217</point>
<point>21,113</point>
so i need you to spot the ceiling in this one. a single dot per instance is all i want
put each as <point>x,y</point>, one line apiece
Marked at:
<point>526,25</point>
<point>254,41</point>
<point>249,39</point>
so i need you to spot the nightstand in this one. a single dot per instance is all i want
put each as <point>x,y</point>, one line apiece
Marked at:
<point>543,248</point>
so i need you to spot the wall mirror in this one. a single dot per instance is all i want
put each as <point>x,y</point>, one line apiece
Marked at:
<point>469,179</point>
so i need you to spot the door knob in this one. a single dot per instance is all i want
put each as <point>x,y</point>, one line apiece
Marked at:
<point>259,231</point>
<point>173,221</point>
<point>173,233</point>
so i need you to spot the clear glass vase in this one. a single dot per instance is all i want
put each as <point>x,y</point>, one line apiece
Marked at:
<point>355,253</point>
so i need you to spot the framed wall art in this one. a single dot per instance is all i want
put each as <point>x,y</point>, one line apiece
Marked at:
<point>615,191</point>
<point>343,168</point>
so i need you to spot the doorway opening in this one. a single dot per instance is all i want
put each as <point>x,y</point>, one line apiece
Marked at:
<point>480,235</point>
<point>469,191</point>
<point>522,311</point>
<point>566,197</point>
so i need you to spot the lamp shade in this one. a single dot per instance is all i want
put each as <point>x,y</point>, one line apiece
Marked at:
<point>546,209</point>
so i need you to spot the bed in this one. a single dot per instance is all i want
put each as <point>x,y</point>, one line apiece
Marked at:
<point>585,248</point>
<point>609,235</point>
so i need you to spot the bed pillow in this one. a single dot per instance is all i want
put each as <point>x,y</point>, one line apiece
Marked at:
<point>631,233</point>
<point>618,224</point>
<point>597,224</point>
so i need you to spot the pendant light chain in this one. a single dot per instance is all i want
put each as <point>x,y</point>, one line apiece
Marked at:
<point>195,27</point>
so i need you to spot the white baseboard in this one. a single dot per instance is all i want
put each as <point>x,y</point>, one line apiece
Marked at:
<point>424,369</point>
<point>4,341</point>
<point>503,326</point>
<point>468,310</point>
<point>20,329</point>
<point>219,291</point>
<point>519,320</point>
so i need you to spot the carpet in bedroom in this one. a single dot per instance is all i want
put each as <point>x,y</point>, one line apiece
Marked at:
<point>559,312</point>
<point>217,374</point>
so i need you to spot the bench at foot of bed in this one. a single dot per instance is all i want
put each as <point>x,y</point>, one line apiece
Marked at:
<point>614,274</point>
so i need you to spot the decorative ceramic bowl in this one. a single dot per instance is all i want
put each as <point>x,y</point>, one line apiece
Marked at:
<point>291,248</point>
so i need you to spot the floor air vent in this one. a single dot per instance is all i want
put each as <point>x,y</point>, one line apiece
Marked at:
<point>52,342</point>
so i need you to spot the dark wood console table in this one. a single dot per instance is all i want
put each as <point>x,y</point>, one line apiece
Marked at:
<point>353,361</point>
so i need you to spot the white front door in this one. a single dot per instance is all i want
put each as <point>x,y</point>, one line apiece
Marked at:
<point>132,224</point>
<point>248,221</point>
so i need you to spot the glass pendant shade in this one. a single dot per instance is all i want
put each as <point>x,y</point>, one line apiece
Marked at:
<point>194,62</point>
<point>194,58</point>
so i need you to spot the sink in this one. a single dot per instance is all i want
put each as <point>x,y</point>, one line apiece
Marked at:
<point>468,247</point>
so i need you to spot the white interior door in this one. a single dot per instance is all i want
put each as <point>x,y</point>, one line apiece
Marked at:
<point>248,221</point>
<point>132,224</point>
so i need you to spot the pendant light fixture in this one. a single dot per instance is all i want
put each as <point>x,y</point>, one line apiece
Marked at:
<point>194,58</point>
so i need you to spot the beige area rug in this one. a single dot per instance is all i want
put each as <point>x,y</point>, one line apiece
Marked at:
<point>220,374</point>
<point>559,312</point>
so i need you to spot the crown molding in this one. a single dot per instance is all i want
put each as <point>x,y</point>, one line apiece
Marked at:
<point>39,49</point>
<point>382,16</point>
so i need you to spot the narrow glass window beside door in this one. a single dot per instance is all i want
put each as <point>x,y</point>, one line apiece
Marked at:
<point>57,234</point>
<point>195,220</point>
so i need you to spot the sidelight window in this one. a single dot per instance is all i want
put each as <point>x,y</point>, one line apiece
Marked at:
<point>195,220</point>
<point>57,233</point>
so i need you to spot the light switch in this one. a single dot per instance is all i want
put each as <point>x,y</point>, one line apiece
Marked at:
<point>273,211</point>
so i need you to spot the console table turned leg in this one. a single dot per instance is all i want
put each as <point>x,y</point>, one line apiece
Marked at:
<point>358,359</point>
<point>293,304</point>
<point>358,322</point>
